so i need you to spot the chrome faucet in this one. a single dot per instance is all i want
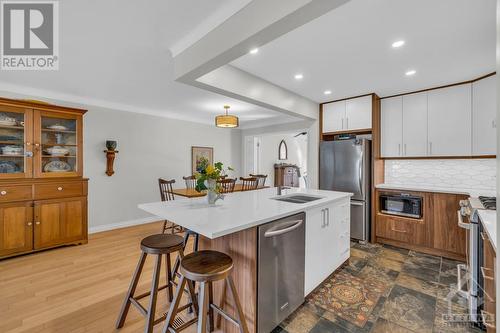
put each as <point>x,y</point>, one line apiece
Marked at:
<point>280,188</point>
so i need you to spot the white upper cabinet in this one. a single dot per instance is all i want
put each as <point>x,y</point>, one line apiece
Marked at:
<point>359,113</point>
<point>334,117</point>
<point>449,121</point>
<point>391,127</point>
<point>414,125</point>
<point>484,104</point>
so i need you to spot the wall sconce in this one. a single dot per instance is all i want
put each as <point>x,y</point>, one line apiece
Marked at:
<point>110,156</point>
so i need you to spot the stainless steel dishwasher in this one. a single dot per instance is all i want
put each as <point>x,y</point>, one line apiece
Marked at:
<point>281,262</point>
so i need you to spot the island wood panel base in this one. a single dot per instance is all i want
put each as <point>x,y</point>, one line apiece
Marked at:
<point>242,247</point>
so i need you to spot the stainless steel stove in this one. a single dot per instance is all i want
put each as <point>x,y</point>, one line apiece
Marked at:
<point>470,279</point>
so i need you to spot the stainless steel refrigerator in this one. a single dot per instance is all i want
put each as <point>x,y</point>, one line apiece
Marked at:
<point>345,165</point>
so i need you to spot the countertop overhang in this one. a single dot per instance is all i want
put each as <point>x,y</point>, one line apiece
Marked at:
<point>238,211</point>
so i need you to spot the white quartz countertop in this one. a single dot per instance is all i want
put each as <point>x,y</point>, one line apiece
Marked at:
<point>238,211</point>
<point>424,188</point>
<point>489,221</point>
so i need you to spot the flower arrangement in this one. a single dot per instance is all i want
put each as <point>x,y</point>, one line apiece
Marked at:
<point>210,174</point>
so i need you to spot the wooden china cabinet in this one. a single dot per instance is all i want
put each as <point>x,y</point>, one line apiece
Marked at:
<point>43,196</point>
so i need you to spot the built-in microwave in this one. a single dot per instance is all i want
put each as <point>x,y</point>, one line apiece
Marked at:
<point>402,205</point>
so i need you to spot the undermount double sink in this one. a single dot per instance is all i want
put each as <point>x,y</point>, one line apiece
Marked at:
<point>297,198</point>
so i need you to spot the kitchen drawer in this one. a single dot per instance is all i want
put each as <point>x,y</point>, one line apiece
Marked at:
<point>15,193</point>
<point>58,190</point>
<point>405,230</point>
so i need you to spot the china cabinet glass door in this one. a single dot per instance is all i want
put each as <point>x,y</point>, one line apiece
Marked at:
<point>57,144</point>
<point>15,142</point>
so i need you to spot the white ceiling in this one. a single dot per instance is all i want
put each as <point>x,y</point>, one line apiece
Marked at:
<point>118,54</point>
<point>348,50</point>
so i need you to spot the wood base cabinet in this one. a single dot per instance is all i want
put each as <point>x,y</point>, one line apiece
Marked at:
<point>60,221</point>
<point>43,196</point>
<point>16,228</point>
<point>436,233</point>
<point>488,273</point>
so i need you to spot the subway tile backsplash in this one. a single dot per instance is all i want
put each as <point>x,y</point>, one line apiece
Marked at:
<point>474,174</point>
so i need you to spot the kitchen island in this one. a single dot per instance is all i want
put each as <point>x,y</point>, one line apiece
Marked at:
<point>231,226</point>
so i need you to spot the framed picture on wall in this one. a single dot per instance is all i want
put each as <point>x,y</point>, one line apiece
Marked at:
<point>201,157</point>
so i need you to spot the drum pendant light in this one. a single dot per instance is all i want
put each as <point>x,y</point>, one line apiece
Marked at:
<point>226,120</point>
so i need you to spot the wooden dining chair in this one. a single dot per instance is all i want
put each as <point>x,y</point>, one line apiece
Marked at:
<point>226,185</point>
<point>190,182</point>
<point>261,180</point>
<point>249,183</point>
<point>167,194</point>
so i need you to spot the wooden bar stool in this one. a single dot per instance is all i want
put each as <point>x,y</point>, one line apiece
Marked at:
<point>159,245</point>
<point>206,267</point>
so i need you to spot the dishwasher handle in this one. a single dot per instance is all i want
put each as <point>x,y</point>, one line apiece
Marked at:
<point>276,231</point>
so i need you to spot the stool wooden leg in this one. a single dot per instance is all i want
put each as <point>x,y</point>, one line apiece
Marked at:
<point>210,310</point>
<point>153,296</point>
<point>240,316</point>
<point>131,291</point>
<point>172,312</point>
<point>203,303</point>
<point>168,275</point>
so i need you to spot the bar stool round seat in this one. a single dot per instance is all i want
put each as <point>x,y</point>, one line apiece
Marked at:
<point>161,244</point>
<point>207,265</point>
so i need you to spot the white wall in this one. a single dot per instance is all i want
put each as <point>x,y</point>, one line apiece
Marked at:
<point>311,127</point>
<point>297,153</point>
<point>149,147</point>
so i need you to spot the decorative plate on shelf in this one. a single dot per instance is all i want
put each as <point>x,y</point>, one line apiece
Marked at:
<point>57,166</point>
<point>8,121</point>
<point>9,167</point>
<point>58,127</point>
<point>12,150</point>
<point>57,151</point>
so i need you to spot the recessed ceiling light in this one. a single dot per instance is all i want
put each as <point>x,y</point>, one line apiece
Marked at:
<point>254,51</point>
<point>398,43</point>
<point>410,72</point>
<point>299,76</point>
<point>327,92</point>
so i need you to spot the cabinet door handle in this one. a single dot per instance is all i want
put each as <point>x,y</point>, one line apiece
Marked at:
<point>328,216</point>
<point>37,222</point>
<point>397,230</point>
<point>28,144</point>
<point>3,193</point>
<point>322,218</point>
<point>30,224</point>
<point>59,188</point>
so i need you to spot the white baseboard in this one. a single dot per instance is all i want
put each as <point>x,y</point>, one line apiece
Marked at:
<point>123,224</point>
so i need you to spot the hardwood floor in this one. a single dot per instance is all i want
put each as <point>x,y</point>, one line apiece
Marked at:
<point>78,288</point>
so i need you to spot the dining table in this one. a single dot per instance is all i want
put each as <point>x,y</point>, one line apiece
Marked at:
<point>192,193</point>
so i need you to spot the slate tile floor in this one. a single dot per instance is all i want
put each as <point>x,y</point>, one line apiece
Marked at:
<point>419,291</point>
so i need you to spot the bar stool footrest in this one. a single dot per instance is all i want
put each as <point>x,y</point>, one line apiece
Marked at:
<point>224,314</point>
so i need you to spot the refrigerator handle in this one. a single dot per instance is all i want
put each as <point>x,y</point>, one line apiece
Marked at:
<point>360,180</point>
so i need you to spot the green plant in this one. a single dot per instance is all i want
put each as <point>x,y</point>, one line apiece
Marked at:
<point>213,172</point>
